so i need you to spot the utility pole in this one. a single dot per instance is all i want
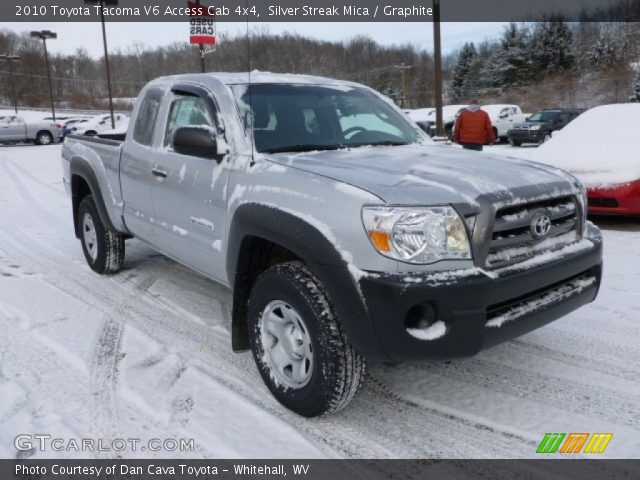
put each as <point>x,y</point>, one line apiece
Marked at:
<point>203,66</point>
<point>403,92</point>
<point>102,3</point>
<point>44,35</point>
<point>437,64</point>
<point>10,59</point>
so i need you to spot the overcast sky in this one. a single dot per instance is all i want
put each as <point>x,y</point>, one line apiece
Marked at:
<point>120,35</point>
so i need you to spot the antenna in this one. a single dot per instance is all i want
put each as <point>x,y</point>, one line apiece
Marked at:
<point>249,87</point>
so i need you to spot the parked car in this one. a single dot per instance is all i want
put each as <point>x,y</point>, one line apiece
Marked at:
<point>71,125</point>
<point>608,163</point>
<point>344,233</point>
<point>421,117</point>
<point>449,115</point>
<point>539,127</point>
<point>504,117</point>
<point>101,124</point>
<point>14,128</point>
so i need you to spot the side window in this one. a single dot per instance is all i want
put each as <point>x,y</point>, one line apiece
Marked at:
<point>188,110</point>
<point>147,116</point>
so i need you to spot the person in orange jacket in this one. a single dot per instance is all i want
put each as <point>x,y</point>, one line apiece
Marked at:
<point>473,128</point>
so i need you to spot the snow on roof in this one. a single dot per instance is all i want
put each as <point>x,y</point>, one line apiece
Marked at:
<point>419,114</point>
<point>601,147</point>
<point>497,108</point>
<point>258,77</point>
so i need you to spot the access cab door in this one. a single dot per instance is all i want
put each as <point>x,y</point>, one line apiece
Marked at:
<point>189,191</point>
<point>136,163</point>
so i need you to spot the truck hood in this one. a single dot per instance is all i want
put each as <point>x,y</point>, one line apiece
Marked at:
<point>435,174</point>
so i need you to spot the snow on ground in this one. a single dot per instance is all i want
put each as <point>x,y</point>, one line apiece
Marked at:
<point>146,354</point>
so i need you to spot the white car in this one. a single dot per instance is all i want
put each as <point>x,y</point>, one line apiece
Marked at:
<point>504,117</point>
<point>449,115</point>
<point>102,124</point>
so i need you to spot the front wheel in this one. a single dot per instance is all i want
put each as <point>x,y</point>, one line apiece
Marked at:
<point>103,248</point>
<point>514,143</point>
<point>299,346</point>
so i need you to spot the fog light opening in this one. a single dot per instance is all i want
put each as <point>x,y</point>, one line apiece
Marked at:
<point>422,322</point>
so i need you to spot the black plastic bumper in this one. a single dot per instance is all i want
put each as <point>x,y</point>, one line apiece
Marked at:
<point>465,304</point>
<point>533,136</point>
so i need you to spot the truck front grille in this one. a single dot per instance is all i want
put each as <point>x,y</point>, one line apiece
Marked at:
<point>514,238</point>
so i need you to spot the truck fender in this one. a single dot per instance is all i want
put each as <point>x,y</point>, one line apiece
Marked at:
<point>80,168</point>
<point>256,221</point>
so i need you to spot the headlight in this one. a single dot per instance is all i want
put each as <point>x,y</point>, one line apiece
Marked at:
<point>536,128</point>
<point>417,235</point>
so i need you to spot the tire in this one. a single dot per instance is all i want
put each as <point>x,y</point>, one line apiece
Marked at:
<point>91,133</point>
<point>44,138</point>
<point>514,143</point>
<point>104,248</point>
<point>495,134</point>
<point>546,138</point>
<point>330,371</point>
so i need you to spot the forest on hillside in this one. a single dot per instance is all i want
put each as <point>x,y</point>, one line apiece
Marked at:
<point>536,65</point>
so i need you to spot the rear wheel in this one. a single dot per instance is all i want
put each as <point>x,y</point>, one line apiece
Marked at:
<point>44,138</point>
<point>298,344</point>
<point>103,248</point>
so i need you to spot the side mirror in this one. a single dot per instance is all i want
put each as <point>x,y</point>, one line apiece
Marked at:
<point>197,142</point>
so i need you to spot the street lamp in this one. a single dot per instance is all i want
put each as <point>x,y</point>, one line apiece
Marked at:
<point>43,35</point>
<point>437,67</point>
<point>11,59</point>
<point>102,3</point>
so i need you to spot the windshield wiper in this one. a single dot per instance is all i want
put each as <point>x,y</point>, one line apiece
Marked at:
<point>301,148</point>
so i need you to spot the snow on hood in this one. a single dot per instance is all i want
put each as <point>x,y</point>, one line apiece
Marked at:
<point>601,147</point>
<point>432,174</point>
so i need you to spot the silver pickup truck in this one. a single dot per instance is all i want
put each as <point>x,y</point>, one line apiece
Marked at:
<point>14,128</point>
<point>345,235</point>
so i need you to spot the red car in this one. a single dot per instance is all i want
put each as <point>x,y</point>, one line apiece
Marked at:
<point>619,200</point>
<point>608,164</point>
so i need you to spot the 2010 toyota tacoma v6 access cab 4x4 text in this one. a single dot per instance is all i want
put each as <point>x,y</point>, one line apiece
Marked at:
<point>343,232</point>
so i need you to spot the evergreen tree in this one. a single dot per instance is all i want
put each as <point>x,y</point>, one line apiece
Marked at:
<point>511,64</point>
<point>460,77</point>
<point>635,96</point>
<point>551,47</point>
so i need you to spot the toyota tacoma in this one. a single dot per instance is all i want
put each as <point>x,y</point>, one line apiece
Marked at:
<point>344,234</point>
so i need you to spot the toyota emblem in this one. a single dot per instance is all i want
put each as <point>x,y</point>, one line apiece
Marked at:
<point>540,225</point>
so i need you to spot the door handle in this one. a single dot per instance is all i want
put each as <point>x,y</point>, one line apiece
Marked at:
<point>158,173</point>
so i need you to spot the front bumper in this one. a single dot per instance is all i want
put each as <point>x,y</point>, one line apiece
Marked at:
<point>468,305</point>
<point>619,200</point>
<point>526,136</point>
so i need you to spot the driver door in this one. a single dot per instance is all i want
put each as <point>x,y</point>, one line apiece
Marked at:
<point>189,194</point>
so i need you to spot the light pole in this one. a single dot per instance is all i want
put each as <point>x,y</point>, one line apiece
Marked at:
<point>437,67</point>
<point>10,59</point>
<point>43,35</point>
<point>102,3</point>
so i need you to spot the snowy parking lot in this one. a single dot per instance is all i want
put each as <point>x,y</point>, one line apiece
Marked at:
<point>146,354</point>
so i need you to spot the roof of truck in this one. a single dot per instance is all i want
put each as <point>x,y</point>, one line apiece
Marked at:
<point>258,77</point>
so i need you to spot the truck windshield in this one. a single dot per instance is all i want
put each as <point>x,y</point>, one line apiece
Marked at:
<point>543,117</point>
<point>300,118</point>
